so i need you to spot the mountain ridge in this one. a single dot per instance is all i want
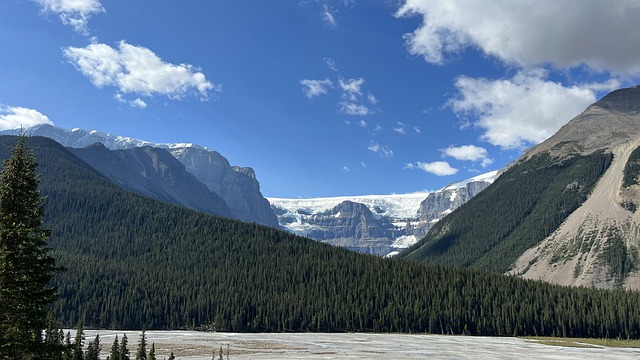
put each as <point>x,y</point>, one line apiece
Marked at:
<point>237,186</point>
<point>400,219</point>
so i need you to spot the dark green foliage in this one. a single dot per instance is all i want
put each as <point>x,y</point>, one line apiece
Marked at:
<point>26,268</point>
<point>93,349</point>
<point>621,262</point>
<point>78,343</point>
<point>124,348</point>
<point>141,353</point>
<point>138,263</point>
<point>521,208</point>
<point>632,169</point>
<point>115,350</point>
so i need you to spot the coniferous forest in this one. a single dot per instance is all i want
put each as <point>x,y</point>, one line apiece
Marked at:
<point>134,263</point>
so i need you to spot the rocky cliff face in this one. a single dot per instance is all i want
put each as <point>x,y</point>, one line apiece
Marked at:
<point>155,173</point>
<point>237,186</point>
<point>441,203</point>
<point>376,224</point>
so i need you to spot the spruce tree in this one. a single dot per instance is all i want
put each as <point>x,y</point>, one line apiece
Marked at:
<point>124,350</point>
<point>115,350</point>
<point>26,267</point>
<point>141,354</point>
<point>152,352</point>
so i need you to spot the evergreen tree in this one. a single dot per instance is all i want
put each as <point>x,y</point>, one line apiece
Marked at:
<point>115,350</point>
<point>124,350</point>
<point>67,353</point>
<point>152,352</point>
<point>78,343</point>
<point>141,353</point>
<point>26,267</point>
<point>172,356</point>
<point>93,349</point>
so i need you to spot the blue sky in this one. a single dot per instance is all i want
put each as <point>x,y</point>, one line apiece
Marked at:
<point>320,97</point>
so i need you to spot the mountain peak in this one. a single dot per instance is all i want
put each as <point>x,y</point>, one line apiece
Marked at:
<point>621,100</point>
<point>607,123</point>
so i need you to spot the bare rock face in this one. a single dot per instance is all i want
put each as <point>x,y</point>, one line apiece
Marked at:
<point>353,226</point>
<point>439,204</point>
<point>236,185</point>
<point>155,173</point>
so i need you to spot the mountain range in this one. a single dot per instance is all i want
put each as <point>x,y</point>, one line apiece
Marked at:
<point>136,262</point>
<point>160,177</point>
<point>381,225</point>
<point>199,178</point>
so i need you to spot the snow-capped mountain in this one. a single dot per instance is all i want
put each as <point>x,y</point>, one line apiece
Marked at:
<point>382,224</point>
<point>237,186</point>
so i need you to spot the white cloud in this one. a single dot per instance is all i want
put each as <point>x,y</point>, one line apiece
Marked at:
<point>362,123</point>
<point>313,88</point>
<point>328,17</point>
<point>138,70</point>
<point>417,130</point>
<point>354,109</point>
<point>139,103</point>
<point>440,168</point>
<point>15,117</point>
<point>351,88</point>
<point>75,13</point>
<point>363,164</point>
<point>528,33</point>
<point>469,153</point>
<point>400,129</point>
<point>520,111</point>
<point>372,99</point>
<point>331,64</point>
<point>381,150</point>
<point>346,169</point>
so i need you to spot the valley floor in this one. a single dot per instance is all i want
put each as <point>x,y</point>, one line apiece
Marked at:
<point>188,345</point>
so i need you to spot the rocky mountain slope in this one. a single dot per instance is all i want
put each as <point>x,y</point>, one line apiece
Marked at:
<point>598,244</point>
<point>375,224</point>
<point>155,173</point>
<point>566,212</point>
<point>237,186</point>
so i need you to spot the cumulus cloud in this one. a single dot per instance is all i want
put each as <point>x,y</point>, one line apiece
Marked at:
<point>313,88</point>
<point>520,111</point>
<point>138,70</point>
<point>565,34</point>
<point>381,150</point>
<point>15,117</point>
<point>468,153</point>
<point>362,123</point>
<point>74,13</point>
<point>439,168</point>
<point>400,129</point>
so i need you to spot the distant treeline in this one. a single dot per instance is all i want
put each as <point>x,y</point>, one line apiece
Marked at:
<point>136,263</point>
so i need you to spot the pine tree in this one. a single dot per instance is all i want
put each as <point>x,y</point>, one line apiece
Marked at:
<point>78,342</point>
<point>26,267</point>
<point>172,356</point>
<point>124,350</point>
<point>93,349</point>
<point>67,353</point>
<point>152,352</point>
<point>115,350</point>
<point>141,353</point>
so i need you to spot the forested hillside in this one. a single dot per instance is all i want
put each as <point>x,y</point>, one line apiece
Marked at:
<point>522,207</point>
<point>133,262</point>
